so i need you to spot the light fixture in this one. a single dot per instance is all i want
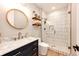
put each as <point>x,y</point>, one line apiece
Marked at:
<point>53,8</point>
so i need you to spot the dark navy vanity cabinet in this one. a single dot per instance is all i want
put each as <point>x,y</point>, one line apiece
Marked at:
<point>30,49</point>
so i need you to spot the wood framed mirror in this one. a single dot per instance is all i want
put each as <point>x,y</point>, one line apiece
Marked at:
<point>17,19</point>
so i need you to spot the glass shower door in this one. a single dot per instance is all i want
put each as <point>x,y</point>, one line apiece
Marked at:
<point>56,31</point>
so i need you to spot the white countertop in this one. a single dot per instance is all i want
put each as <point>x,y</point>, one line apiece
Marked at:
<point>12,45</point>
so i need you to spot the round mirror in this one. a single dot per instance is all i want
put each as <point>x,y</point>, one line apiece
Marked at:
<point>17,19</point>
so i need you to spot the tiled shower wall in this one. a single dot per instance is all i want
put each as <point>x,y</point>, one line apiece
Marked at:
<point>57,33</point>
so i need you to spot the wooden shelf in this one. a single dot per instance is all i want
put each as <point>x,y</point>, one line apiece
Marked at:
<point>36,24</point>
<point>35,18</point>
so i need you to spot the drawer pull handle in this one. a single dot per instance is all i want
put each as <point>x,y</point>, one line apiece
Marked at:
<point>34,49</point>
<point>17,54</point>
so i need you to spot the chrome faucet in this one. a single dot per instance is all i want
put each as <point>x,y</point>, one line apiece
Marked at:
<point>25,35</point>
<point>19,35</point>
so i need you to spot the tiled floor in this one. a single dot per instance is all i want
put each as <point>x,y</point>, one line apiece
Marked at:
<point>54,53</point>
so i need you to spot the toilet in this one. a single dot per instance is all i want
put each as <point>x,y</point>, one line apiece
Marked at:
<point>43,48</point>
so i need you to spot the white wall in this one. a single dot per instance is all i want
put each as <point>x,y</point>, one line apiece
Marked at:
<point>7,31</point>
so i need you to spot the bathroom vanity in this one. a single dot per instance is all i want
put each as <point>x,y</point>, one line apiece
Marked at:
<point>22,47</point>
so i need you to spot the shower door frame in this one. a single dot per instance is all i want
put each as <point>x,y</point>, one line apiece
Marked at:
<point>72,39</point>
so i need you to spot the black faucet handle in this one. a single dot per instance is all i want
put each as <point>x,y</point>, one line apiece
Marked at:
<point>76,48</point>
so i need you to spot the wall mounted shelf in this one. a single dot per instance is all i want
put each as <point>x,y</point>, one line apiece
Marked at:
<point>36,24</point>
<point>35,18</point>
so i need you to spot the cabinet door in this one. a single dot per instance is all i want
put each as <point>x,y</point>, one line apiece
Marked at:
<point>33,48</point>
<point>28,51</point>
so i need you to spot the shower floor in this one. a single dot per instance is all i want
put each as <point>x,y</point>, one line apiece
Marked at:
<point>54,53</point>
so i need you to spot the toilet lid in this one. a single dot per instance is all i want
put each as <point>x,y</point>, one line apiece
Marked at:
<point>43,44</point>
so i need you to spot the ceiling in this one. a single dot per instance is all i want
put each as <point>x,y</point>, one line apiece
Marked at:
<point>47,7</point>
